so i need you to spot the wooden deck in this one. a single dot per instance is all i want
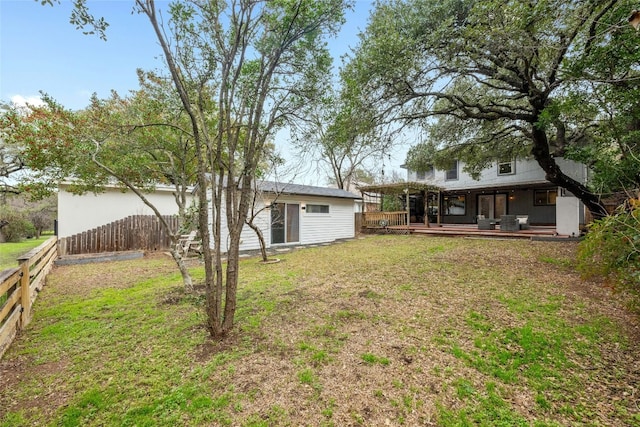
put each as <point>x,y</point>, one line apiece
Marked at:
<point>471,230</point>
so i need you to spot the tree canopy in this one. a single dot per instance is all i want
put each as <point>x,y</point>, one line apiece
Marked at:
<point>136,142</point>
<point>498,79</point>
<point>341,135</point>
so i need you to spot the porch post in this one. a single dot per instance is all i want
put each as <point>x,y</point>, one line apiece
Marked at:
<point>439,207</point>
<point>406,192</point>
<point>425,207</point>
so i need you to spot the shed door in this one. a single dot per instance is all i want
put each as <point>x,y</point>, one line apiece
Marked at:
<point>285,223</point>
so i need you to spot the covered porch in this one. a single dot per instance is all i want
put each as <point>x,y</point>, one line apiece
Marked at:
<point>399,205</point>
<point>416,209</point>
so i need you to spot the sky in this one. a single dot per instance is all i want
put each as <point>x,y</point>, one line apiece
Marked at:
<point>41,51</point>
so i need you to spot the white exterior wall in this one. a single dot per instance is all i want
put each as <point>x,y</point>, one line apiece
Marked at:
<point>320,228</point>
<point>339,223</point>
<point>568,210</point>
<point>85,212</point>
<point>527,171</point>
<point>249,238</point>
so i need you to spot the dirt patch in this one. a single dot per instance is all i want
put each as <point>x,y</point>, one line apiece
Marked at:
<point>48,376</point>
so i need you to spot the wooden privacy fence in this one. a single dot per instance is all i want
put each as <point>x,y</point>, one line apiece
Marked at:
<point>19,288</point>
<point>137,232</point>
<point>384,219</point>
<point>357,221</point>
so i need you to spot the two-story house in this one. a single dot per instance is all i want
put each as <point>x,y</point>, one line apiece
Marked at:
<point>513,187</point>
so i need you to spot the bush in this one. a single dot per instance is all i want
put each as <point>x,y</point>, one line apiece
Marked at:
<point>392,203</point>
<point>611,248</point>
<point>18,226</point>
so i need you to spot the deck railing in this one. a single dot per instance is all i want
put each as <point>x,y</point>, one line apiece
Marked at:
<point>384,219</point>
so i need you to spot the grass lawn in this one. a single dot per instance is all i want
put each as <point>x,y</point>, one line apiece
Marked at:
<point>10,251</point>
<point>387,330</point>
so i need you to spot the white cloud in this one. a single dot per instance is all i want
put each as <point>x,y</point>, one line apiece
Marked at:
<point>22,101</point>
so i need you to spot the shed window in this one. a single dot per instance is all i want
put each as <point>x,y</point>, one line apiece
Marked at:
<point>318,209</point>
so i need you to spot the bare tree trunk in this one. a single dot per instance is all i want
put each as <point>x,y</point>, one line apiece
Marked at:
<point>554,174</point>
<point>263,245</point>
<point>184,271</point>
<point>231,282</point>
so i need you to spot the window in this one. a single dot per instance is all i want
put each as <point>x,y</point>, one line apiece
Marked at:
<point>545,197</point>
<point>318,209</point>
<point>506,167</point>
<point>452,172</point>
<point>455,205</point>
<point>425,174</point>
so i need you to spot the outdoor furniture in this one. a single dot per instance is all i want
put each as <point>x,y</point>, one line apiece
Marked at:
<point>486,223</point>
<point>523,221</point>
<point>509,223</point>
<point>188,243</point>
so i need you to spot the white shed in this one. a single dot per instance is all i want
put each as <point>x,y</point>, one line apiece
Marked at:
<point>293,214</point>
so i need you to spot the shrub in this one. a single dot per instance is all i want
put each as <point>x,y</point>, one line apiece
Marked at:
<point>18,226</point>
<point>611,248</point>
<point>392,203</point>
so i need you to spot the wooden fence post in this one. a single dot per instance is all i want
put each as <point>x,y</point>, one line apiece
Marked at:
<point>25,293</point>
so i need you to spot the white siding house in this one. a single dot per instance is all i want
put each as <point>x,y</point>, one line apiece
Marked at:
<point>289,214</point>
<point>293,214</point>
<point>500,174</point>
<point>516,187</point>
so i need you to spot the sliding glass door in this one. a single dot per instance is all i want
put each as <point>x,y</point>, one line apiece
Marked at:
<point>285,223</point>
<point>492,205</point>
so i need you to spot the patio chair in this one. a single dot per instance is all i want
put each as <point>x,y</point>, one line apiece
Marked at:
<point>523,220</point>
<point>188,243</point>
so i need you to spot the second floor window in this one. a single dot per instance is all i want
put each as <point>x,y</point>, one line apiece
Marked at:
<point>506,167</point>
<point>425,174</point>
<point>452,172</point>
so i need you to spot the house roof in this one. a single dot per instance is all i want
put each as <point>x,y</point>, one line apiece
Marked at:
<point>306,190</point>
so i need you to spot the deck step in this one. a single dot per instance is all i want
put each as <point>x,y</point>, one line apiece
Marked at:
<point>534,233</point>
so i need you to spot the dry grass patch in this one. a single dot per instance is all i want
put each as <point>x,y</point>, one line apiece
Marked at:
<point>389,330</point>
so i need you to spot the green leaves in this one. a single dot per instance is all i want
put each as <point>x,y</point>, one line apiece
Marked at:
<point>611,249</point>
<point>484,78</point>
<point>139,140</point>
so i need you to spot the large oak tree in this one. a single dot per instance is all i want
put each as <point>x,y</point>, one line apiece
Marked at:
<point>497,79</point>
